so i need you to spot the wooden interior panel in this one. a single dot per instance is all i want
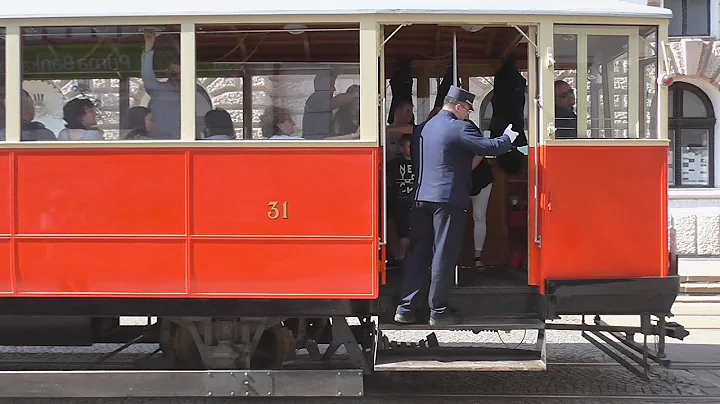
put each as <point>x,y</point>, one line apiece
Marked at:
<point>500,240</point>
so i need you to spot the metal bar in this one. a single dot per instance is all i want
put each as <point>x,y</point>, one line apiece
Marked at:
<point>590,327</point>
<point>120,349</point>
<point>178,383</point>
<point>630,343</point>
<point>537,51</point>
<point>661,337</point>
<point>628,353</point>
<point>615,356</point>
<point>392,34</point>
<point>455,69</point>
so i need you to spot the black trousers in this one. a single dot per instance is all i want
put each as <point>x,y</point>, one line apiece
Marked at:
<point>436,235</point>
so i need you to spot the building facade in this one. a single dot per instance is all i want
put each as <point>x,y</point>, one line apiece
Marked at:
<point>693,52</point>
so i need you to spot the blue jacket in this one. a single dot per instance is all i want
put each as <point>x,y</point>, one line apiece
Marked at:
<point>442,151</point>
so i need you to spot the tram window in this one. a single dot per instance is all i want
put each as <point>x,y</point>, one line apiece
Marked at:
<point>615,69</point>
<point>289,82</point>
<point>99,83</point>
<point>2,84</point>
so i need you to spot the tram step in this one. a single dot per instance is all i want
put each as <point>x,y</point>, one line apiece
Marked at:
<point>460,359</point>
<point>470,323</point>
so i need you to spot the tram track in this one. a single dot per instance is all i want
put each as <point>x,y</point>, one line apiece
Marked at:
<point>554,397</point>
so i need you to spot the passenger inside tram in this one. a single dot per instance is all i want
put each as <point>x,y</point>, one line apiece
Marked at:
<point>565,117</point>
<point>219,125</point>
<point>321,105</point>
<point>80,121</point>
<point>347,117</point>
<point>278,124</point>
<point>140,124</point>
<point>165,95</point>
<point>31,130</point>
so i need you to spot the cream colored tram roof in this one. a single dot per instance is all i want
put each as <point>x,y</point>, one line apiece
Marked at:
<point>18,9</point>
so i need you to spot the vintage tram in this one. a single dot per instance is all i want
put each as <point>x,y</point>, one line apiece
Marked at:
<point>246,250</point>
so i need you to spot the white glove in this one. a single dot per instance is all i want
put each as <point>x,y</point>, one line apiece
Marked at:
<point>510,133</point>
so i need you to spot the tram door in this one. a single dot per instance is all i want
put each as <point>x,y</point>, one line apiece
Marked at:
<point>603,170</point>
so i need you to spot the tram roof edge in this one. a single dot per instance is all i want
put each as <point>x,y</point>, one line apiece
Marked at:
<point>143,8</point>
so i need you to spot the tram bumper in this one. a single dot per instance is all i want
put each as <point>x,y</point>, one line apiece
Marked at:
<point>630,296</point>
<point>179,383</point>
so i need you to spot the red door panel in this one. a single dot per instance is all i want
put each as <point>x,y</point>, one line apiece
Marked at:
<point>604,212</point>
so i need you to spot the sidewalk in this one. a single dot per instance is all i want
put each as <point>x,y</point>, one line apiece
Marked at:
<point>700,279</point>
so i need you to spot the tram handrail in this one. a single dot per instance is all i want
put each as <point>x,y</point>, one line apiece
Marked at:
<point>383,144</point>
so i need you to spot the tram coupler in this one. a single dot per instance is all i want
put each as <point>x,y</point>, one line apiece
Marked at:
<point>675,330</point>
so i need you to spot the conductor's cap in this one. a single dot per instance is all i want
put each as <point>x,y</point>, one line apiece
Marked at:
<point>462,95</point>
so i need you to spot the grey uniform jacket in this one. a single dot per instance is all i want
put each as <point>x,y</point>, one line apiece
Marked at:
<point>443,149</point>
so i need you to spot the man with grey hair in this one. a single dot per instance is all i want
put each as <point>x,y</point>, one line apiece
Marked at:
<point>31,130</point>
<point>446,146</point>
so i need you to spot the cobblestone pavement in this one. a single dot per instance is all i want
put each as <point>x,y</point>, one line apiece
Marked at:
<point>577,373</point>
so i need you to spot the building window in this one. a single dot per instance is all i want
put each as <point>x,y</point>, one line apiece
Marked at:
<point>691,132</point>
<point>690,17</point>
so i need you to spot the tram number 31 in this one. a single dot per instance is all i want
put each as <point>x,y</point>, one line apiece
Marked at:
<point>276,211</point>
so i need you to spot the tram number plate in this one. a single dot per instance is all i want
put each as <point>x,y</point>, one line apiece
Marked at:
<point>277,210</point>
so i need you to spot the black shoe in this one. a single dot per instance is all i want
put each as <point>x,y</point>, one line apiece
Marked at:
<point>405,318</point>
<point>447,318</point>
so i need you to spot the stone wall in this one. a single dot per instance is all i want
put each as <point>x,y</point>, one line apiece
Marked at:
<point>697,225</point>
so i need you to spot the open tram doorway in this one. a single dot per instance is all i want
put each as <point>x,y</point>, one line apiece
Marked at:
<point>492,62</point>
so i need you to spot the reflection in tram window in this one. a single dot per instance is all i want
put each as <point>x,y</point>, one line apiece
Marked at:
<point>299,69</point>
<point>84,81</point>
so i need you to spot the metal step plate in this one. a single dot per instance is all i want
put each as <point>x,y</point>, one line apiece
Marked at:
<point>461,359</point>
<point>470,323</point>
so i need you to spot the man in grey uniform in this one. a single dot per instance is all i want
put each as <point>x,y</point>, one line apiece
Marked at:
<point>443,151</point>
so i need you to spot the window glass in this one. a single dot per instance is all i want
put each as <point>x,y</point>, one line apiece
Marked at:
<point>607,74</point>
<point>695,156</point>
<point>692,106</point>
<point>101,83</point>
<point>288,82</point>
<point>697,17</point>
<point>676,23</point>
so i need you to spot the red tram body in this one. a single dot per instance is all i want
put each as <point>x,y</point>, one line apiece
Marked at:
<point>56,246</point>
